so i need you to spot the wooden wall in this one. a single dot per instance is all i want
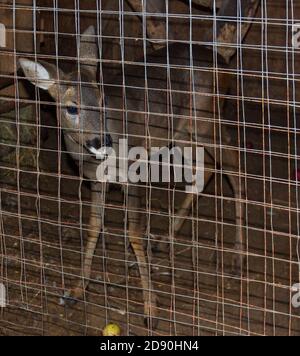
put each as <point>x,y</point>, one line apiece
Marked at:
<point>110,28</point>
<point>19,40</point>
<point>268,91</point>
<point>267,47</point>
<point>18,22</point>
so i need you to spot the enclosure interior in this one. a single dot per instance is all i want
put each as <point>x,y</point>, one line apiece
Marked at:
<point>45,199</point>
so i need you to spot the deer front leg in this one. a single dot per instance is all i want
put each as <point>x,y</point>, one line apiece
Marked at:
<point>95,227</point>
<point>135,234</point>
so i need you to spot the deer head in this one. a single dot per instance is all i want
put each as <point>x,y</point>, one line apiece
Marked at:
<point>77,95</point>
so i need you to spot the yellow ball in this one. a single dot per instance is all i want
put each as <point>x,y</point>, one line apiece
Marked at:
<point>112,330</point>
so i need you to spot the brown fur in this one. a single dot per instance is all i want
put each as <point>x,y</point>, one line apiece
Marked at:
<point>189,118</point>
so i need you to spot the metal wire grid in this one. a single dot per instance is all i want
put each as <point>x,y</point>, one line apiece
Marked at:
<point>37,300</point>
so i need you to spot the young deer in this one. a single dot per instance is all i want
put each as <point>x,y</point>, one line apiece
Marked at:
<point>160,109</point>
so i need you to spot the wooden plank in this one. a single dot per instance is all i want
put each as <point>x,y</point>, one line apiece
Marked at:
<point>156,27</point>
<point>226,30</point>
<point>20,39</point>
<point>208,3</point>
<point>17,18</point>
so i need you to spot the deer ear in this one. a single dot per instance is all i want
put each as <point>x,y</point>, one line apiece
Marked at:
<point>37,74</point>
<point>89,53</point>
<point>43,75</point>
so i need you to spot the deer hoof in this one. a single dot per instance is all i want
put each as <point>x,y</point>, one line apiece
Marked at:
<point>70,298</point>
<point>150,323</point>
<point>238,262</point>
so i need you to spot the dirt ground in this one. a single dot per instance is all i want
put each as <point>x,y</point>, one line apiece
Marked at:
<point>44,216</point>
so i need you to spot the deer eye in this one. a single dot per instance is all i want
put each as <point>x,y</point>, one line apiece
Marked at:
<point>73,110</point>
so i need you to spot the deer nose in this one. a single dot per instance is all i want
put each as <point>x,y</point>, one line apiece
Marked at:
<point>108,141</point>
<point>96,143</point>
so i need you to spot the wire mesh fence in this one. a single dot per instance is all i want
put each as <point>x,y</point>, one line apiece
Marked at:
<point>89,83</point>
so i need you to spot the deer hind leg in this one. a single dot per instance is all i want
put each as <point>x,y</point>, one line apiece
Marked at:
<point>95,227</point>
<point>135,233</point>
<point>185,208</point>
<point>230,163</point>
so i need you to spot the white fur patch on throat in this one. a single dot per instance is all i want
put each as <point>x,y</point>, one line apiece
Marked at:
<point>101,153</point>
